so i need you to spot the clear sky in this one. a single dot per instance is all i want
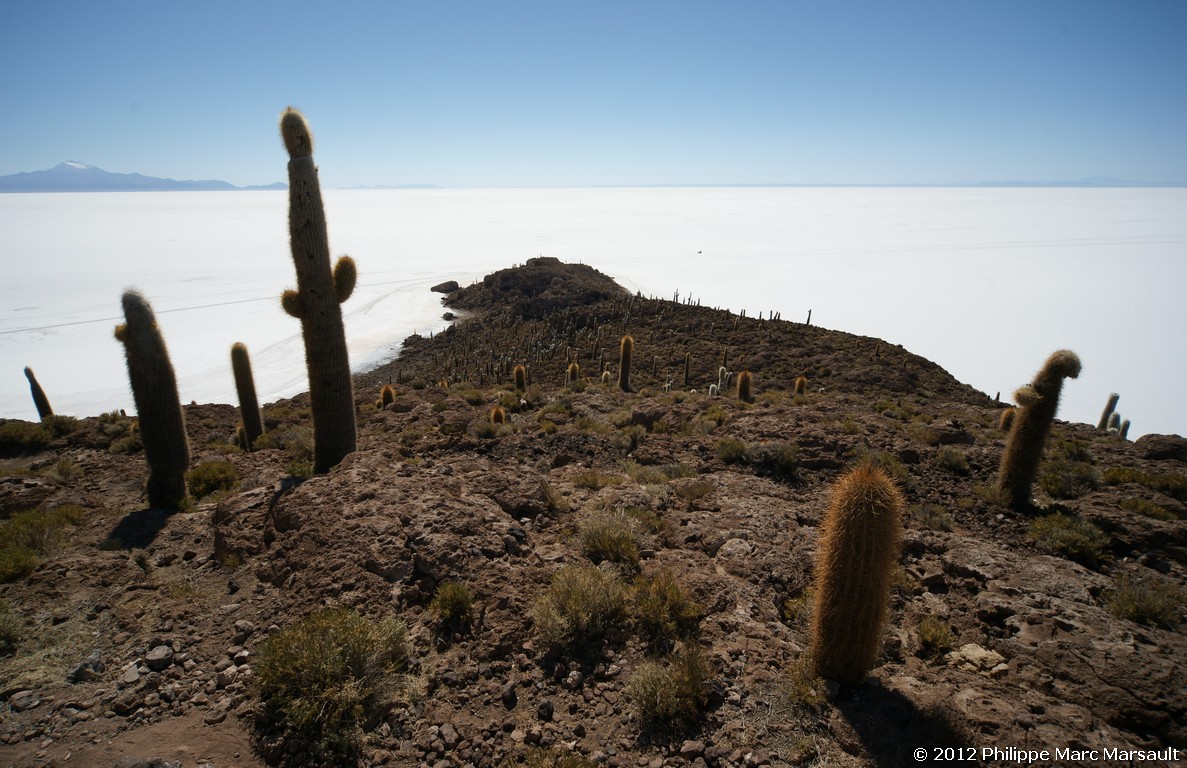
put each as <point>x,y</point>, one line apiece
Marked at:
<point>567,93</point>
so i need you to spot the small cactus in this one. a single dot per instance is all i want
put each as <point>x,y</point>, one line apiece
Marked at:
<point>1006,420</point>
<point>859,546</point>
<point>625,352</point>
<point>245,386</point>
<point>606,378</point>
<point>1124,433</point>
<point>744,383</point>
<point>317,301</point>
<point>39,399</point>
<point>572,374</point>
<point>498,416</point>
<point>1103,424</point>
<point>154,388</point>
<point>687,365</point>
<point>521,378</point>
<point>387,396</point>
<point>1024,447</point>
<point>801,386</point>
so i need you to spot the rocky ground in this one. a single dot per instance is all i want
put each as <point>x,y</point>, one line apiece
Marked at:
<point>135,636</point>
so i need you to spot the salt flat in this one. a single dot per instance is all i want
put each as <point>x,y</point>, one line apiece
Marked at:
<point>986,282</point>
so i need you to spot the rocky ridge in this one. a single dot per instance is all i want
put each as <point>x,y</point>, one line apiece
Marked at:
<point>137,630</point>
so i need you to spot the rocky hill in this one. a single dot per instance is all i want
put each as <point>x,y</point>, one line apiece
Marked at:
<point>135,637</point>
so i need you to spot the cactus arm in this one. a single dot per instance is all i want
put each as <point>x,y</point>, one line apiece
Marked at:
<point>345,275</point>
<point>290,301</point>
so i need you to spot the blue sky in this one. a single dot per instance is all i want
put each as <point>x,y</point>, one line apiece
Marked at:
<point>564,93</point>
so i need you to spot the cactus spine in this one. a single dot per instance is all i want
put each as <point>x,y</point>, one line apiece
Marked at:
<point>39,399</point>
<point>1037,405</point>
<point>521,378</point>
<point>154,388</point>
<point>316,302</point>
<point>744,387</point>
<point>1103,424</point>
<point>859,546</point>
<point>245,386</point>
<point>625,351</point>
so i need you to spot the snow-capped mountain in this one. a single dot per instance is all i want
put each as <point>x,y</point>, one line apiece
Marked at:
<point>73,176</point>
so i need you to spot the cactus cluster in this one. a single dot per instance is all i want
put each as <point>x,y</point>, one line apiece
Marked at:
<point>317,301</point>
<point>154,388</point>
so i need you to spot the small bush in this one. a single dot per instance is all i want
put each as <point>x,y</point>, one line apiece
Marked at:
<point>23,437</point>
<point>595,479</point>
<point>1150,601</point>
<point>672,695</point>
<point>324,680</point>
<point>693,491</point>
<point>935,636</point>
<point>31,533</point>
<point>661,610</point>
<point>778,460</point>
<point>1173,484</point>
<point>582,605</point>
<point>610,536</point>
<point>1070,537</point>
<point>954,460</point>
<point>1148,509</point>
<point>211,477</point>
<point>537,757</point>
<point>1067,471</point>
<point>10,631</point>
<point>803,686</point>
<point>553,500</point>
<point>60,425</point>
<point>733,451</point>
<point>644,475</point>
<point>884,461</point>
<point>453,606</point>
<point>932,516</point>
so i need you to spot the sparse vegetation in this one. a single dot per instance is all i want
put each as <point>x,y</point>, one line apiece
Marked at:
<point>1173,484</point>
<point>733,451</point>
<point>935,636</point>
<point>1151,601</point>
<point>23,437</point>
<point>10,630</point>
<point>324,681</point>
<point>671,694</point>
<point>661,610</point>
<point>453,606</point>
<point>1147,508</point>
<point>582,605</point>
<point>595,479</point>
<point>1071,537</point>
<point>953,460</point>
<point>27,535</point>
<point>211,477</point>
<point>1067,471</point>
<point>932,516</point>
<point>610,536</point>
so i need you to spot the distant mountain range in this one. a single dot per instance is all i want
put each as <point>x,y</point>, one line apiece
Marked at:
<point>72,176</point>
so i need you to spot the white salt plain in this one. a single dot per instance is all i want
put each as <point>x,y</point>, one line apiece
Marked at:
<point>985,282</point>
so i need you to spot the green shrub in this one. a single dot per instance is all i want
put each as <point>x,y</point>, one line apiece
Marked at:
<point>935,636</point>
<point>595,479</point>
<point>932,516</point>
<point>324,680</point>
<point>661,611</point>
<point>778,460</point>
<point>23,437</point>
<point>1151,601</point>
<point>30,533</point>
<point>693,491</point>
<point>1067,471</point>
<point>644,475</point>
<point>610,536</point>
<point>453,606</point>
<point>954,460</point>
<point>538,757</point>
<point>553,500</point>
<point>60,425</point>
<point>672,695</point>
<point>211,477</point>
<point>733,451</point>
<point>1070,537</point>
<point>1147,508</point>
<point>582,605</point>
<point>1173,484</point>
<point>10,630</point>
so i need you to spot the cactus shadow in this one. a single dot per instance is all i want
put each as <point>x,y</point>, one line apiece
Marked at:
<point>139,529</point>
<point>890,726</point>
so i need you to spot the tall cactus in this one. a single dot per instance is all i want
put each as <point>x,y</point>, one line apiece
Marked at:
<point>39,399</point>
<point>744,385</point>
<point>1037,403</point>
<point>859,546</point>
<point>316,302</point>
<point>245,386</point>
<point>625,352</point>
<point>1103,424</point>
<point>154,388</point>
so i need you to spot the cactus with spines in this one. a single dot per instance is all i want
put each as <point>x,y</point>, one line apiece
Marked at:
<point>722,379</point>
<point>316,302</point>
<point>744,384</point>
<point>1103,424</point>
<point>606,378</point>
<point>859,546</point>
<point>1124,433</point>
<point>1037,403</point>
<point>387,396</point>
<point>1114,423</point>
<point>687,364</point>
<point>44,410</point>
<point>801,386</point>
<point>626,351</point>
<point>1006,420</point>
<point>158,408</point>
<point>498,416</point>
<point>572,375</point>
<point>521,378</point>
<point>245,386</point>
